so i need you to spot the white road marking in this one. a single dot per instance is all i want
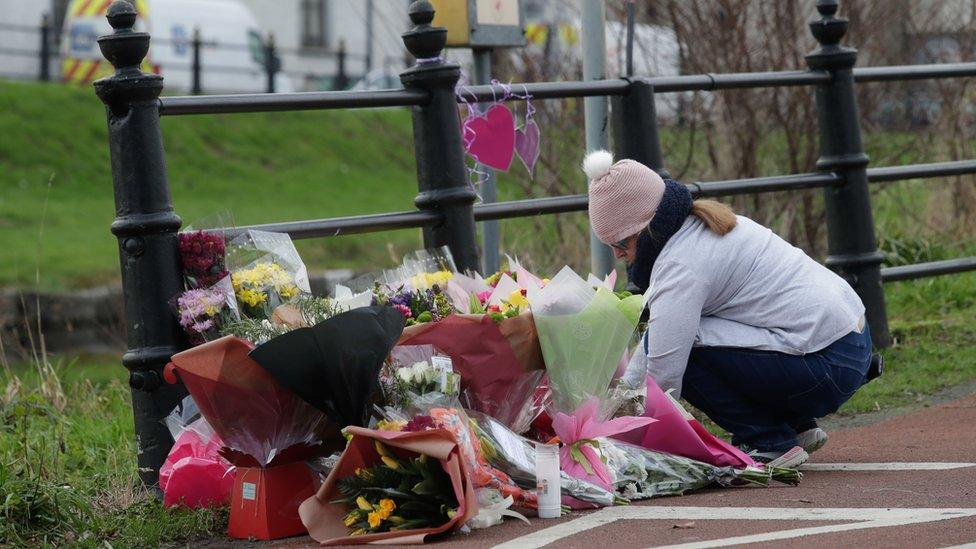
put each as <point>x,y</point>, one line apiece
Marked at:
<point>892,466</point>
<point>963,546</point>
<point>853,519</point>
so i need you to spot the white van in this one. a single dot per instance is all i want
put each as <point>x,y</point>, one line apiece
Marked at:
<point>231,59</point>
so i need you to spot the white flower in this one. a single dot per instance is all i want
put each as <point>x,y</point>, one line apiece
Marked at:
<point>405,375</point>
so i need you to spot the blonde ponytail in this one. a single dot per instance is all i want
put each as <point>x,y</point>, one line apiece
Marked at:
<point>719,217</point>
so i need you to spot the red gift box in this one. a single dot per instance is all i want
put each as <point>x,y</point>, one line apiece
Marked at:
<point>265,501</point>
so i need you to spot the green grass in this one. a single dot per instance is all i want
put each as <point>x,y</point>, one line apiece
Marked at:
<point>67,464</point>
<point>261,167</point>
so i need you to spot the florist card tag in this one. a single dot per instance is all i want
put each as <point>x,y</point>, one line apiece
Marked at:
<point>512,446</point>
<point>444,366</point>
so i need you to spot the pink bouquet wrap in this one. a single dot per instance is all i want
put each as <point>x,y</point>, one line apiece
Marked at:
<point>678,434</point>
<point>194,474</point>
<point>578,432</point>
<point>500,364</point>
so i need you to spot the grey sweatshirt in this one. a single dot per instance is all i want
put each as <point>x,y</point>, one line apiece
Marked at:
<point>748,289</point>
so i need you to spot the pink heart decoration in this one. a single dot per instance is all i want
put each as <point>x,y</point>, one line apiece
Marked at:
<point>492,137</point>
<point>527,145</point>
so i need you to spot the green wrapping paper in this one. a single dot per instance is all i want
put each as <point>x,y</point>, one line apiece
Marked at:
<point>583,333</point>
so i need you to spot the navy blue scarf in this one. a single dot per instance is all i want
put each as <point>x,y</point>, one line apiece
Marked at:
<point>674,208</point>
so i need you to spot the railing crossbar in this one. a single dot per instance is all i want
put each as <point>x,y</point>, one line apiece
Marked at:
<point>337,226</point>
<point>914,171</point>
<point>933,268</point>
<point>577,203</point>
<point>222,104</point>
<point>268,102</point>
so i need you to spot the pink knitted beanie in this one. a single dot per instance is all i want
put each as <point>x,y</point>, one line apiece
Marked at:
<point>623,196</point>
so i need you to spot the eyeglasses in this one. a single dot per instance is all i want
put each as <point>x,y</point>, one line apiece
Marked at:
<point>622,245</point>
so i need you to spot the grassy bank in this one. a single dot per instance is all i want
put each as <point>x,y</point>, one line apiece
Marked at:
<point>260,167</point>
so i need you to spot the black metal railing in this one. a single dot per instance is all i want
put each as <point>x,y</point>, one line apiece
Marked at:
<point>146,225</point>
<point>263,55</point>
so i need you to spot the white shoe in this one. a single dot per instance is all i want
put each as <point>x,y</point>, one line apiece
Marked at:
<point>791,459</point>
<point>812,440</point>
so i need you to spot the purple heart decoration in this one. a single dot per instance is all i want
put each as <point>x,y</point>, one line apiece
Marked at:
<point>527,145</point>
<point>490,138</point>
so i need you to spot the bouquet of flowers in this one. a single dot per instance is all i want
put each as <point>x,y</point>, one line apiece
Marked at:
<point>677,432</point>
<point>640,473</point>
<point>263,286</point>
<point>257,419</point>
<point>392,487</point>
<point>416,306</point>
<point>194,474</point>
<point>500,363</point>
<point>202,256</point>
<point>583,332</point>
<point>204,312</point>
<point>397,494</point>
<point>516,456</point>
<point>417,375</point>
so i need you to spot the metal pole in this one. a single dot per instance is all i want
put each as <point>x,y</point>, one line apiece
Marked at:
<point>197,88</point>
<point>441,173</point>
<point>595,109</point>
<point>341,81</point>
<point>489,193</point>
<point>270,62</point>
<point>146,227</point>
<point>45,66</point>
<point>850,229</point>
<point>369,37</point>
<point>630,37</point>
<point>634,123</point>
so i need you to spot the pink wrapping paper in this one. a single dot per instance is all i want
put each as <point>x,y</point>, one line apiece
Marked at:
<point>672,433</point>
<point>194,474</point>
<point>581,426</point>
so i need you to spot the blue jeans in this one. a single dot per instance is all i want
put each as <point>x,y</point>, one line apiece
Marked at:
<point>765,398</point>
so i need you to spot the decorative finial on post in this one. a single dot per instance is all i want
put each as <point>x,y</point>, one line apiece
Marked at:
<point>828,30</point>
<point>124,48</point>
<point>424,41</point>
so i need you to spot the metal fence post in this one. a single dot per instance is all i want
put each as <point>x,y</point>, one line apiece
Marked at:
<point>853,251</point>
<point>441,173</point>
<point>146,227</point>
<point>270,62</point>
<point>196,86</point>
<point>341,80</point>
<point>45,53</point>
<point>634,126</point>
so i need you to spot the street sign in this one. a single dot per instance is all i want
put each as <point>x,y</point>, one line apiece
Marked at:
<point>480,23</point>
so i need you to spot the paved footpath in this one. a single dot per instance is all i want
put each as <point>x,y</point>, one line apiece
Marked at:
<point>909,481</point>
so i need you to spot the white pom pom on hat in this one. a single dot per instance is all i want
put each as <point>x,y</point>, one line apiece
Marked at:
<point>623,196</point>
<point>597,164</point>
